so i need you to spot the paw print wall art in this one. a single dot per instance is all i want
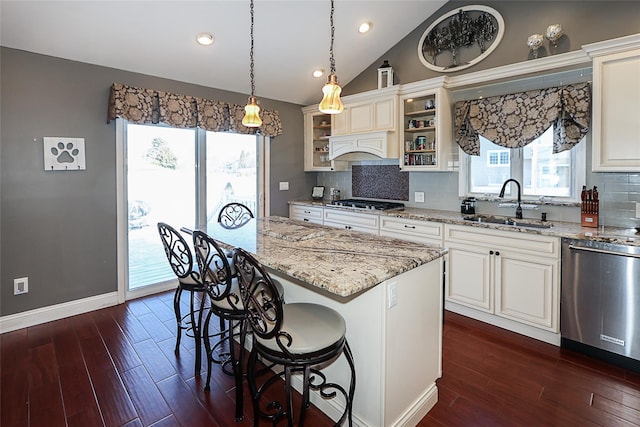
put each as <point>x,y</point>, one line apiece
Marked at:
<point>62,154</point>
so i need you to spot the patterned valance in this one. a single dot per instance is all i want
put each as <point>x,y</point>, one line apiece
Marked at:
<point>148,106</point>
<point>515,120</point>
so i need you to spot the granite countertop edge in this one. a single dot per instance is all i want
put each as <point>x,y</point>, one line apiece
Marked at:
<point>559,229</point>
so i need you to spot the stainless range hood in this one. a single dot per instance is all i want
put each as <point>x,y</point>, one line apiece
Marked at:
<point>363,146</point>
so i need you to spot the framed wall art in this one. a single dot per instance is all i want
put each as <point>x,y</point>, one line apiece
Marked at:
<point>461,38</point>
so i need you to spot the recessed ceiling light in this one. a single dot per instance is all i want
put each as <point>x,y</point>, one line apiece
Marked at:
<point>205,39</point>
<point>365,27</point>
<point>318,73</point>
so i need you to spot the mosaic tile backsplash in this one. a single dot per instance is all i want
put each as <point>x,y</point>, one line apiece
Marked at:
<point>379,182</point>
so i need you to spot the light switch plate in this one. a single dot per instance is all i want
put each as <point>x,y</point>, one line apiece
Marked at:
<point>284,185</point>
<point>418,196</point>
<point>637,209</point>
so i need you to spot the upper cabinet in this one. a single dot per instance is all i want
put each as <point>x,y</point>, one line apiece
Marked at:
<point>426,131</point>
<point>616,105</point>
<point>370,111</point>
<point>317,130</point>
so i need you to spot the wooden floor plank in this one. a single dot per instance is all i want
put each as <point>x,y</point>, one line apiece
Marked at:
<point>117,367</point>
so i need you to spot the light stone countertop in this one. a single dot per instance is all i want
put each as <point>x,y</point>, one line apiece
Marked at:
<point>341,262</point>
<point>627,236</point>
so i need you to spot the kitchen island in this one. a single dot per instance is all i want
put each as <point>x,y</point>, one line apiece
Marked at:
<point>390,293</point>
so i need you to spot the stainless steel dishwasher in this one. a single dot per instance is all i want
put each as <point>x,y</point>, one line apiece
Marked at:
<point>600,306</point>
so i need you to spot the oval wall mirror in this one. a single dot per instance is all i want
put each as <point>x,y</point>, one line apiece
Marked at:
<point>461,38</point>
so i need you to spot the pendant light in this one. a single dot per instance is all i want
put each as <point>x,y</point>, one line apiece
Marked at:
<point>252,109</point>
<point>331,103</point>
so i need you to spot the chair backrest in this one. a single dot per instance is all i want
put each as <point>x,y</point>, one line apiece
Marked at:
<point>260,296</point>
<point>214,267</point>
<point>177,250</point>
<point>234,215</point>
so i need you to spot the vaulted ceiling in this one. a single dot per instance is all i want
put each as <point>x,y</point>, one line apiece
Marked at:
<point>159,38</point>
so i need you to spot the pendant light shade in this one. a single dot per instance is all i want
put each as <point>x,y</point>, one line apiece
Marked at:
<point>252,109</point>
<point>331,103</point>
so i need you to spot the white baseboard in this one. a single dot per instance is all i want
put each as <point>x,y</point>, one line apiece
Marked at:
<point>25,319</point>
<point>419,409</point>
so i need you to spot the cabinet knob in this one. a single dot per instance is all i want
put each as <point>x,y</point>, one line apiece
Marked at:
<point>308,212</point>
<point>410,226</point>
<point>490,252</point>
<point>306,219</point>
<point>497,253</point>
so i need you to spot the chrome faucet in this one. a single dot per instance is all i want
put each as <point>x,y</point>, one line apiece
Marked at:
<point>504,186</point>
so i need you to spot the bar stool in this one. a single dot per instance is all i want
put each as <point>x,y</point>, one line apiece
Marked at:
<point>234,215</point>
<point>297,336</point>
<point>181,261</point>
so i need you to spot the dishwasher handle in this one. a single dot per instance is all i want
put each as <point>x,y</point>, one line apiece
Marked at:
<point>603,251</point>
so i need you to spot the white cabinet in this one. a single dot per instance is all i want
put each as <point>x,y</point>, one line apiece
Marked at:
<point>411,230</point>
<point>426,142</point>
<point>365,222</point>
<point>370,111</point>
<point>616,112</point>
<point>306,213</point>
<point>378,144</point>
<point>507,274</point>
<point>317,130</point>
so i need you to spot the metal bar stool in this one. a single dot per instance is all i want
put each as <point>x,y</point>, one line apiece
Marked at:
<point>181,261</point>
<point>298,336</point>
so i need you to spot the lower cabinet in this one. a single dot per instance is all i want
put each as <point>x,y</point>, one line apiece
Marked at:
<point>363,222</point>
<point>512,275</point>
<point>306,213</point>
<point>412,230</point>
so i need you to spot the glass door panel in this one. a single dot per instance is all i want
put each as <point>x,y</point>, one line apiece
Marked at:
<point>161,186</point>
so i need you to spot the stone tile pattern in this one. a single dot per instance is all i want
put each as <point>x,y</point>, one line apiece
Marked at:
<point>340,261</point>
<point>379,182</point>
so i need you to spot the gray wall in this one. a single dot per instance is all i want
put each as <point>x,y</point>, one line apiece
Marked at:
<point>59,228</point>
<point>583,23</point>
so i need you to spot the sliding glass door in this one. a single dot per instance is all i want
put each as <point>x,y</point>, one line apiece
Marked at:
<point>181,177</point>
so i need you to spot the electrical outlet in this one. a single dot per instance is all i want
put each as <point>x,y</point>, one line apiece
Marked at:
<point>284,185</point>
<point>418,196</point>
<point>20,286</point>
<point>392,296</point>
<point>637,209</point>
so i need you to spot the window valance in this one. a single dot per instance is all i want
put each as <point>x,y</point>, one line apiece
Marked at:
<point>149,106</point>
<point>515,120</point>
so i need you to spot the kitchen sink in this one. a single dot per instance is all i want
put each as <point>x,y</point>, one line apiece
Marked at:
<point>512,222</point>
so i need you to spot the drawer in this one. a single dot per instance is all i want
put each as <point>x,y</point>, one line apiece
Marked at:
<point>306,213</point>
<point>356,220</point>
<point>411,229</point>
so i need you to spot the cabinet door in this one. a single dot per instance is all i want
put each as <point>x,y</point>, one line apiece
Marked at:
<point>527,289</point>
<point>340,123</point>
<point>385,114</point>
<point>616,109</point>
<point>468,279</point>
<point>361,116</point>
<point>311,214</point>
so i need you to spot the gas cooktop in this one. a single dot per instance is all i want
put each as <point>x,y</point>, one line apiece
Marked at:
<point>368,204</point>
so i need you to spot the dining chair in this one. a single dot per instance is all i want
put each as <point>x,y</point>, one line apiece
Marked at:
<point>189,280</point>
<point>234,215</point>
<point>299,337</point>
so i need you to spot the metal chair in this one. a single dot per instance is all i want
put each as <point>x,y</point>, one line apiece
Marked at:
<point>234,215</point>
<point>297,336</point>
<point>181,261</point>
<point>227,304</point>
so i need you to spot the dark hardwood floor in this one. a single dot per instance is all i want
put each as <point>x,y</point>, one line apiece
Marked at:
<point>117,367</point>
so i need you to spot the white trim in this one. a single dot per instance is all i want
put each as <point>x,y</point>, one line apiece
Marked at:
<point>607,47</point>
<point>121,209</point>
<point>50,313</point>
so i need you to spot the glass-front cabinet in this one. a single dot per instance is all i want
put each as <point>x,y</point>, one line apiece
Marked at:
<point>426,143</point>
<point>317,130</point>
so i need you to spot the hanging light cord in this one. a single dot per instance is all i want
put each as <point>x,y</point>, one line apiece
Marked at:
<point>251,75</point>
<point>331,60</point>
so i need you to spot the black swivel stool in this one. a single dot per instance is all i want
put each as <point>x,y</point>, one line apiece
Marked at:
<point>297,336</point>
<point>181,261</point>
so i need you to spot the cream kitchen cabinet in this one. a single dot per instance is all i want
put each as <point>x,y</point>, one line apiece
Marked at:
<point>307,213</point>
<point>426,142</point>
<point>512,275</point>
<point>616,105</point>
<point>317,130</point>
<point>412,230</point>
<point>364,222</point>
<point>370,111</point>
